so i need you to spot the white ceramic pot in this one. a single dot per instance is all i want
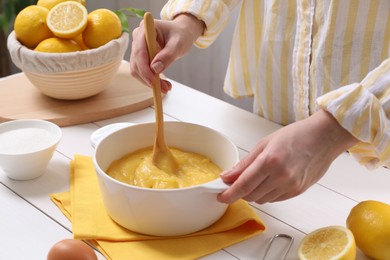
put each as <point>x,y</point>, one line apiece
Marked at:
<point>162,212</point>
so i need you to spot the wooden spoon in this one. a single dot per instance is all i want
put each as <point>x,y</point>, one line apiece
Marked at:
<point>162,156</point>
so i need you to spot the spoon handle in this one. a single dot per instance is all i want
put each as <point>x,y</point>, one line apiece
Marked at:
<point>150,36</point>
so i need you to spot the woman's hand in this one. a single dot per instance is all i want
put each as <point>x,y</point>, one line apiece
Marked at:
<point>174,40</point>
<point>289,161</point>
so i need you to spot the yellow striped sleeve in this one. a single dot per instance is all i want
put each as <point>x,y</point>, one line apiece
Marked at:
<point>215,14</point>
<point>364,110</point>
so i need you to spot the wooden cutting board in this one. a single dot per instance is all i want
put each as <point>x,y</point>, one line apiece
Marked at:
<point>19,99</point>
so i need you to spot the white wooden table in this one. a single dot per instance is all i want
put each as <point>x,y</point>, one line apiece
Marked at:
<point>30,224</point>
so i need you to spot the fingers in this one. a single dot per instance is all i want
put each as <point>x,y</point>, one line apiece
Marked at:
<point>262,184</point>
<point>246,181</point>
<point>165,86</point>
<point>140,68</point>
<point>231,175</point>
<point>293,159</point>
<point>260,188</point>
<point>243,176</point>
<point>174,39</point>
<point>262,177</point>
<point>274,194</point>
<point>167,50</point>
<point>139,58</point>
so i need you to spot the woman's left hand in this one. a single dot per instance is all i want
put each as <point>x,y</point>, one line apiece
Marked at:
<point>287,162</point>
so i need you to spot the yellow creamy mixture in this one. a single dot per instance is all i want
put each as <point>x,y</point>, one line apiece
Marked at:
<point>137,169</point>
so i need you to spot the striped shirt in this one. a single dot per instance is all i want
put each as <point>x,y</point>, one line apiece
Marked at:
<point>297,56</point>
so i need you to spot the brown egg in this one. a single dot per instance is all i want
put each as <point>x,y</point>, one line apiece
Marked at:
<point>71,249</point>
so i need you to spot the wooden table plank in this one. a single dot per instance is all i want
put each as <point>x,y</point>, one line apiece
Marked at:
<point>26,233</point>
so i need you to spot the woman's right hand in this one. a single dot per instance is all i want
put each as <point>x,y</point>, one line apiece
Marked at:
<point>174,40</point>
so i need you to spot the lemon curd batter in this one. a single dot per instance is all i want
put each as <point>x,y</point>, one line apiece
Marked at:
<point>137,169</point>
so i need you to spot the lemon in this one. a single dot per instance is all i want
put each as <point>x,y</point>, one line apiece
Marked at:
<point>30,26</point>
<point>67,19</point>
<point>369,222</point>
<point>103,26</point>
<point>57,45</point>
<point>333,242</point>
<point>49,4</point>
<point>79,40</point>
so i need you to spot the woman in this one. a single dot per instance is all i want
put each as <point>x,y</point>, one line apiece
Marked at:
<point>319,67</point>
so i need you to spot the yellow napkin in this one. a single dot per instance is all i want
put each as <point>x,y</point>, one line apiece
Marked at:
<point>84,207</point>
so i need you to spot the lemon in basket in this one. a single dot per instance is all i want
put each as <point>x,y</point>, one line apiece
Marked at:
<point>30,26</point>
<point>49,4</point>
<point>103,26</point>
<point>333,242</point>
<point>57,45</point>
<point>67,19</point>
<point>369,222</point>
<point>79,40</point>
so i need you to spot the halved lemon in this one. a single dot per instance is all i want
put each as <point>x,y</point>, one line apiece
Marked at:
<point>333,242</point>
<point>67,19</point>
<point>49,4</point>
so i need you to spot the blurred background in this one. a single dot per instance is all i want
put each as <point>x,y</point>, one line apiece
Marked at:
<point>201,69</point>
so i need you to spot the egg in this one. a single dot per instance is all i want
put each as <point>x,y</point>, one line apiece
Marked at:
<point>71,249</point>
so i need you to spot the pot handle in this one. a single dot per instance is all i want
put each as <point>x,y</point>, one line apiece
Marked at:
<point>104,131</point>
<point>215,186</point>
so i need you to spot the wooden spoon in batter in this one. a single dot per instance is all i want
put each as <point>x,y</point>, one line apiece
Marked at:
<point>162,156</point>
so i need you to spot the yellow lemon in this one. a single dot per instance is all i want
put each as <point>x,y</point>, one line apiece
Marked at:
<point>369,222</point>
<point>49,4</point>
<point>79,40</point>
<point>333,242</point>
<point>57,45</point>
<point>103,26</point>
<point>67,19</point>
<point>30,26</point>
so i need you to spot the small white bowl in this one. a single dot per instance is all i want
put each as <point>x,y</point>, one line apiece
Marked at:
<point>72,75</point>
<point>27,146</point>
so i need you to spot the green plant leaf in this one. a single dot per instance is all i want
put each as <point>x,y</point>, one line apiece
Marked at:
<point>8,16</point>
<point>124,22</point>
<point>4,23</point>
<point>134,12</point>
<point>8,11</point>
<point>124,13</point>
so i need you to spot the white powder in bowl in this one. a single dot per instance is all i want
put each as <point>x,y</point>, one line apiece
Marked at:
<point>25,140</point>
